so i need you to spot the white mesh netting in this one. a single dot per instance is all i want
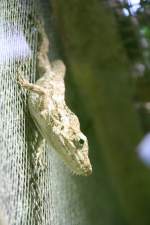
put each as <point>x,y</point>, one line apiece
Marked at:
<point>27,196</point>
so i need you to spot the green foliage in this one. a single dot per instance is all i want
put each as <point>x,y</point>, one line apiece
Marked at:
<point>99,67</point>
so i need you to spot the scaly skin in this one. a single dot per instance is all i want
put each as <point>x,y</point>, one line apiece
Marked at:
<point>55,121</point>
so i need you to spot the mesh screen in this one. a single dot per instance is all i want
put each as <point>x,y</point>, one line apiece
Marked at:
<point>28,196</point>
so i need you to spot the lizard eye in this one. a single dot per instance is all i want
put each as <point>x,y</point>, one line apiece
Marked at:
<point>81,141</point>
<point>78,142</point>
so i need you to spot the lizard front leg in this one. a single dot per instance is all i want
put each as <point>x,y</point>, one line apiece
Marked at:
<point>30,87</point>
<point>40,147</point>
<point>40,141</point>
<point>36,89</point>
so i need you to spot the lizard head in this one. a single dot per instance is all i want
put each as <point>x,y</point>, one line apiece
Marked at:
<point>73,144</point>
<point>78,148</point>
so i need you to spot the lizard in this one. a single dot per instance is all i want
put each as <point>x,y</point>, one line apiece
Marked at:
<point>57,124</point>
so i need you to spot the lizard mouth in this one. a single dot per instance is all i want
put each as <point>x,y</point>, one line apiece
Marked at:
<point>79,163</point>
<point>86,172</point>
<point>82,169</point>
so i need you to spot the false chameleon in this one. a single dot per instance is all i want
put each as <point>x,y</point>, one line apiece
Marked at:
<point>54,120</point>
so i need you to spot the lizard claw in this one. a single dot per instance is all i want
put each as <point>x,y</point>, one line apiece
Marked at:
<point>21,81</point>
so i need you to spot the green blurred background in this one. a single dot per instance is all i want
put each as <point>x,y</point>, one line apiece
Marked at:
<point>106,47</point>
